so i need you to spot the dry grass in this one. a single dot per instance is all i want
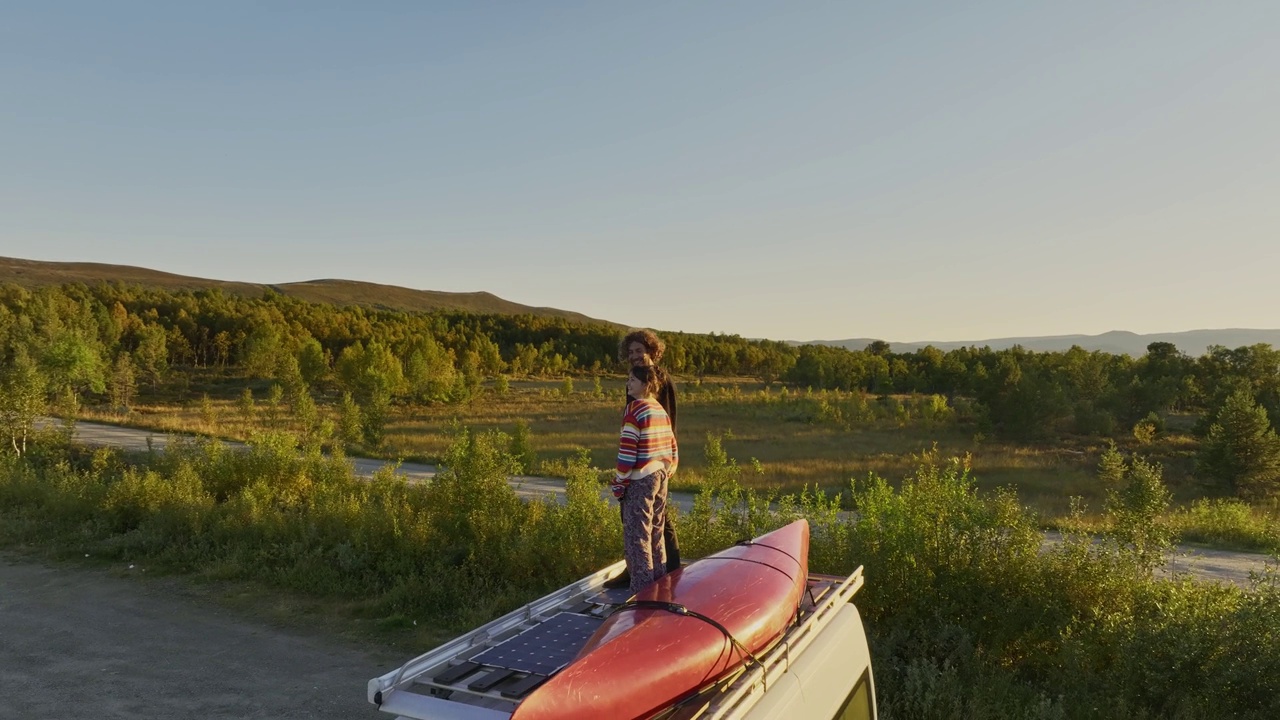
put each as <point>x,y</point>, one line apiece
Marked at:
<point>773,436</point>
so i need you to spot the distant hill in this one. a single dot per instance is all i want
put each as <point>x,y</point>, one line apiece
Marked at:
<point>1118,342</point>
<point>33,273</point>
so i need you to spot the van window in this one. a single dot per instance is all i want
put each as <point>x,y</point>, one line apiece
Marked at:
<point>858,705</point>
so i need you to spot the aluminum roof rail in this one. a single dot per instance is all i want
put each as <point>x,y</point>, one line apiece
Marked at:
<point>405,692</point>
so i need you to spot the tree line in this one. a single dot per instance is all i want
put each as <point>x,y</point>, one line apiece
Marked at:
<point>106,341</point>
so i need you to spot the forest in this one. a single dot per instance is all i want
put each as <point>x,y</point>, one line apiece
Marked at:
<point>112,345</point>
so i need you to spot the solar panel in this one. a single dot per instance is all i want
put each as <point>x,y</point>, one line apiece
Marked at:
<point>543,648</point>
<point>611,596</point>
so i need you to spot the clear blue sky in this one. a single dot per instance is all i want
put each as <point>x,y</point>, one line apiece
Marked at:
<point>906,170</point>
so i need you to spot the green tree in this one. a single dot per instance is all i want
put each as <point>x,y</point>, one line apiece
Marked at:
<point>521,448</point>
<point>375,414</point>
<point>1111,468</point>
<point>350,421</point>
<point>246,407</point>
<point>879,348</point>
<point>152,355</point>
<point>722,471</point>
<point>22,399</point>
<point>123,384</point>
<point>1159,382</point>
<point>469,366</point>
<point>66,406</point>
<point>490,358</point>
<point>74,363</point>
<point>275,399</point>
<point>261,351</point>
<point>1136,500</point>
<point>429,370</point>
<point>208,412</point>
<point>306,415</point>
<point>1241,450</point>
<point>369,371</point>
<point>312,363</point>
<point>222,348</point>
<point>289,375</point>
<point>525,359</point>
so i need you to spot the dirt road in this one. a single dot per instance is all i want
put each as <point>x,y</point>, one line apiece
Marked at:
<point>138,440</point>
<point>78,642</point>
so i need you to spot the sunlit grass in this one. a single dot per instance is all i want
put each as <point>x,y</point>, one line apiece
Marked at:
<point>968,614</point>
<point>785,440</point>
<point>1231,523</point>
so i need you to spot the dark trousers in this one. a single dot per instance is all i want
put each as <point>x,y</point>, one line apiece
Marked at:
<point>668,539</point>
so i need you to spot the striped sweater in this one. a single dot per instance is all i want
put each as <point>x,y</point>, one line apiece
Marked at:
<point>645,445</point>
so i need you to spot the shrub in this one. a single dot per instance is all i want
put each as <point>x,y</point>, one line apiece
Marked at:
<point>1136,501</point>
<point>968,615</point>
<point>521,448</point>
<point>1144,432</point>
<point>1228,522</point>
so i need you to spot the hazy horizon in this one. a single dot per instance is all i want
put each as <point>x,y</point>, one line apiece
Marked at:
<point>808,171</point>
<point>901,345</point>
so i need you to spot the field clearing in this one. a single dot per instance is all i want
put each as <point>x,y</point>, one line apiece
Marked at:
<point>781,439</point>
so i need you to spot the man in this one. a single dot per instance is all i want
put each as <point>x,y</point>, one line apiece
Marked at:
<point>644,347</point>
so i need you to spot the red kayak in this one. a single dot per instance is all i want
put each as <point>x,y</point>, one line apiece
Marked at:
<point>684,632</point>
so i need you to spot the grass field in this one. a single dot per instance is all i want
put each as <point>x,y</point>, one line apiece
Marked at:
<point>780,439</point>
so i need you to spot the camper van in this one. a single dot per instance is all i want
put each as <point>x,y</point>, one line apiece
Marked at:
<point>747,633</point>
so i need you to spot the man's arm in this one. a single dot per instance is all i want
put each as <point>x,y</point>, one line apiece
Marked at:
<point>667,399</point>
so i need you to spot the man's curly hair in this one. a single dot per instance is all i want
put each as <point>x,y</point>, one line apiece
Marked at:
<point>652,344</point>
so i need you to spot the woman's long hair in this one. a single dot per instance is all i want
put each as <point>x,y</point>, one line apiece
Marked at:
<point>652,376</point>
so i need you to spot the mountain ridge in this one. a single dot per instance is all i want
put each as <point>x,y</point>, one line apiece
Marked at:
<point>392,297</point>
<point>33,273</point>
<point>1117,342</point>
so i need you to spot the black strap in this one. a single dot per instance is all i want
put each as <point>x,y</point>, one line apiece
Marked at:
<point>753,543</point>
<point>678,609</point>
<point>762,563</point>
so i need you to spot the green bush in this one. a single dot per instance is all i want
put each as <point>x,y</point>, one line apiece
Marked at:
<point>521,448</point>
<point>968,615</point>
<point>1228,522</point>
<point>1136,502</point>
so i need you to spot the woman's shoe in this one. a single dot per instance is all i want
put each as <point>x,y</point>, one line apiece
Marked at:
<point>619,581</point>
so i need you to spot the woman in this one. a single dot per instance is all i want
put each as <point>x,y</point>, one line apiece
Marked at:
<point>647,458</point>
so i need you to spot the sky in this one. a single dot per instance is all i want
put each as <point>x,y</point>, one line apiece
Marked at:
<point>796,171</point>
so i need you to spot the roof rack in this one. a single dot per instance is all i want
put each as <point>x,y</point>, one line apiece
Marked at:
<point>484,674</point>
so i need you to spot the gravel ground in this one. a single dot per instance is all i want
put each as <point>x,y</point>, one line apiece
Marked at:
<point>77,642</point>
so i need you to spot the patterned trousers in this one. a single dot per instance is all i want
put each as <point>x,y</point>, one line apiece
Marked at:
<point>644,514</point>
